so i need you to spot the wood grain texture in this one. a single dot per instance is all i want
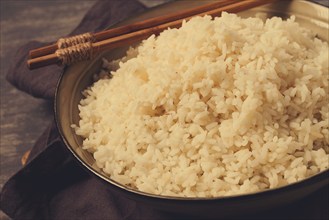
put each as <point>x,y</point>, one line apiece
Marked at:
<point>23,118</point>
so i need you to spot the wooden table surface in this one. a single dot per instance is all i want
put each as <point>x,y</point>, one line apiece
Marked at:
<point>24,118</point>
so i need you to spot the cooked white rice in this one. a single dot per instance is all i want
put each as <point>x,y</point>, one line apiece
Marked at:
<point>214,108</point>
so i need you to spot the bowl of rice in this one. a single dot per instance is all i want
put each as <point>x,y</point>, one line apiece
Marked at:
<point>225,112</point>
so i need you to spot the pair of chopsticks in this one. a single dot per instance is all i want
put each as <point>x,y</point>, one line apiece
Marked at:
<point>125,35</point>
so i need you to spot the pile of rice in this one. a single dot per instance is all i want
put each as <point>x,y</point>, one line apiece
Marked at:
<point>217,107</point>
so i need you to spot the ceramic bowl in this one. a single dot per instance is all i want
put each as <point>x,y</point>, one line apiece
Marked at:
<point>78,77</point>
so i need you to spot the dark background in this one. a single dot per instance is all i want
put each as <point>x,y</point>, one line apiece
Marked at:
<point>23,118</point>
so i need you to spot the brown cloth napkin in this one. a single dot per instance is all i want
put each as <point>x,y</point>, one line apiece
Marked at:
<point>52,185</point>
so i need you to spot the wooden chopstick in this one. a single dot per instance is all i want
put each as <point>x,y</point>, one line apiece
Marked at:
<point>132,37</point>
<point>103,35</point>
